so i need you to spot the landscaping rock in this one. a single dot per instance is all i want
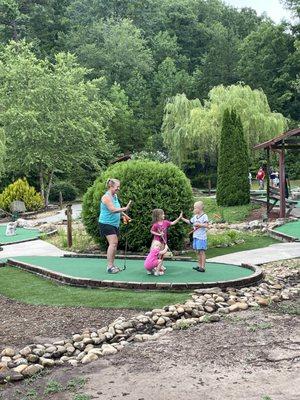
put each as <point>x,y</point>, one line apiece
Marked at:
<point>89,358</point>
<point>8,352</point>
<point>32,370</point>
<point>108,349</point>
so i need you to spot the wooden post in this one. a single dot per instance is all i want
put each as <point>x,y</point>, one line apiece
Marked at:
<point>282,183</point>
<point>69,224</point>
<point>209,186</point>
<point>60,200</point>
<point>268,181</point>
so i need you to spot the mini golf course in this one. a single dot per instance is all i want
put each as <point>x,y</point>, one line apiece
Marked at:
<point>22,235</point>
<point>91,272</point>
<point>291,230</point>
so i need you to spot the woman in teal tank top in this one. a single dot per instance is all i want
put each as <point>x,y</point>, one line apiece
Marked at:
<point>109,221</point>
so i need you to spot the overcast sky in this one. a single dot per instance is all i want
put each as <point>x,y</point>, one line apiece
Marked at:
<point>273,8</point>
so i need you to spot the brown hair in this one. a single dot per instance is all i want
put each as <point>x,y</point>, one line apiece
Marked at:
<point>156,214</point>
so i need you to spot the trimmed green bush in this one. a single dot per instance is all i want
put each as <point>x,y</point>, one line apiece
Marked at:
<point>149,184</point>
<point>68,191</point>
<point>233,165</point>
<point>20,190</point>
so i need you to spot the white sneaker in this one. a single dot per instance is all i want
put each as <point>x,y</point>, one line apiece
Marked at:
<point>161,273</point>
<point>156,273</point>
<point>149,272</point>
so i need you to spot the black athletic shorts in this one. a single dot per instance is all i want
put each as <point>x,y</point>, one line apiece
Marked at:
<point>106,229</point>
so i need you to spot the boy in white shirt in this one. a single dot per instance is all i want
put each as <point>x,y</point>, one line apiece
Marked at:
<point>200,224</point>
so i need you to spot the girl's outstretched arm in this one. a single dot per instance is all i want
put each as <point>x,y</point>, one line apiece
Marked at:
<point>177,219</point>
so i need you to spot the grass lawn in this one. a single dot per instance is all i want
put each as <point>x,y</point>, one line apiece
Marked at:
<point>229,214</point>
<point>251,242</point>
<point>28,288</point>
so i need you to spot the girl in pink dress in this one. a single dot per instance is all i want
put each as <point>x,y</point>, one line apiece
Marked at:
<point>154,260</point>
<point>160,227</point>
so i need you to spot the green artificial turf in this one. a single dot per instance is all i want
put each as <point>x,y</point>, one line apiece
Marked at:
<point>290,229</point>
<point>21,235</point>
<point>177,271</point>
<point>31,289</point>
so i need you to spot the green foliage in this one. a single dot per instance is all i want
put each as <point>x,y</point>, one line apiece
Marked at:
<point>68,191</point>
<point>233,166</point>
<point>75,384</point>
<point>149,185</point>
<point>20,190</point>
<point>225,239</point>
<point>82,397</point>
<point>53,387</point>
<point>274,72</point>
<point>82,242</point>
<point>228,214</point>
<point>64,128</point>
<point>188,124</point>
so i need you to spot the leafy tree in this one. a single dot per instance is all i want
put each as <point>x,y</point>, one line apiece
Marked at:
<point>167,82</point>
<point>114,48</point>
<point>52,118</point>
<point>42,21</point>
<point>164,45</point>
<point>233,166</point>
<point>122,126</point>
<point>267,62</point>
<point>220,62</point>
<point>189,124</point>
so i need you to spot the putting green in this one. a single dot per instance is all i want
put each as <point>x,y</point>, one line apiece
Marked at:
<point>177,271</point>
<point>290,229</point>
<point>22,235</point>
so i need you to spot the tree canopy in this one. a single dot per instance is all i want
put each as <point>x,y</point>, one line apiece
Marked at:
<point>51,117</point>
<point>190,124</point>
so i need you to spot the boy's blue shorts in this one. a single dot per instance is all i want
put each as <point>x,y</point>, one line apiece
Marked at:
<point>199,244</point>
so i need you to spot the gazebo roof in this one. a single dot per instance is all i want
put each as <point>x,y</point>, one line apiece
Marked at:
<point>288,140</point>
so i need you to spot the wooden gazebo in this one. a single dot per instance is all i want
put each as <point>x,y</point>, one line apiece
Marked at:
<point>288,140</point>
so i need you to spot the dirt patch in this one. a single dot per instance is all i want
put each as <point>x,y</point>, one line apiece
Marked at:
<point>249,355</point>
<point>256,214</point>
<point>22,324</point>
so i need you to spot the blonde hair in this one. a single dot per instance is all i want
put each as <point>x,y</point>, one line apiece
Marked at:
<point>111,182</point>
<point>156,214</point>
<point>199,204</point>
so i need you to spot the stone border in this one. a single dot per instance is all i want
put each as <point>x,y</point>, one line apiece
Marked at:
<point>51,233</point>
<point>91,283</point>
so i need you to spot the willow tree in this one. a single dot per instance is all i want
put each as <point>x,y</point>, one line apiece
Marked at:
<point>189,124</point>
<point>175,127</point>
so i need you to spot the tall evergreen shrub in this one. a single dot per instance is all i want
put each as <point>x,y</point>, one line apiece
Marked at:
<point>233,163</point>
